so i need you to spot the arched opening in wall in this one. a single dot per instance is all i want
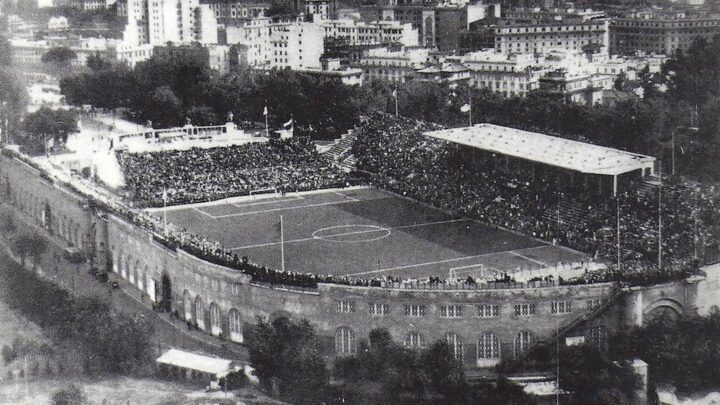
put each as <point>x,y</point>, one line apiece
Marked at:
<point>344,341</point>
<point>142,272</point>
<point>215,320</point>
<point>187,305</point>
<point>199,313</point>
<point>166,301</point>
<point>47,217</point>
<point>523,341</point>
<point>235,326</point>
<point>456,344</point>
<point>661,313</point>
<point>117,263</point>
<point>488,350</point>
<point>133,272</point>
<point>126,268</point>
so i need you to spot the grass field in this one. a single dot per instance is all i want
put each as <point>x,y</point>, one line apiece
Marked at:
<point>361,232</point>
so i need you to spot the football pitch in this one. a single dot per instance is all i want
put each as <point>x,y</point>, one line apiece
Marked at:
<point>363,233</point>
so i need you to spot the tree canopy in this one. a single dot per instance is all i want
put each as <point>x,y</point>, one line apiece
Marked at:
<point>59,55</point>
<point>46,124</point>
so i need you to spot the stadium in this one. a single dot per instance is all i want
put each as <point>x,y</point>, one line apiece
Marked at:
<point>494,239</point>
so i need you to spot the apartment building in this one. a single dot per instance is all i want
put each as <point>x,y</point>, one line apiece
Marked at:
<point>660,33</point>
<point>373,33</point>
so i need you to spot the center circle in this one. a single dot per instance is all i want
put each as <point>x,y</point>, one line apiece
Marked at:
<point>352,233</point>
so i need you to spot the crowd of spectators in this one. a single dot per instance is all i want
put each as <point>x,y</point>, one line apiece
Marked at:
<point>198,175</point>
<point>395,155</point>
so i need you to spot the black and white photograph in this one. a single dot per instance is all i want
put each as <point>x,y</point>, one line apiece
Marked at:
<point>360,202</point>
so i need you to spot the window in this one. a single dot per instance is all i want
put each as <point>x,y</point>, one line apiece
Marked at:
<point>379,309</point>
<point>187,303</point>
<point>215,322</point>
<point>344,341</point>
<point>345,306</point>
<point>456,345</point>
<point>593,303</point>
<point>451,311</point>
<point>414,340</point>
<point>524,309</point>
<point>488,346</point>
<point>415,310</point>
<point>561,307</point>
<point>235,326</point>
<point>488,311</point>
<point>523,341</point>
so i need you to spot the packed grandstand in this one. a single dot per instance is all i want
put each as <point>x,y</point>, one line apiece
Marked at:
<point>393,154</point>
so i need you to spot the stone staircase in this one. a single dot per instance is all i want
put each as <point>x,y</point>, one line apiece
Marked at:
<point>570,212</point>
<point>341,152</point>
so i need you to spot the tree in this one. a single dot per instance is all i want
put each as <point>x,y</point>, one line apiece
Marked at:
<point>163,108</point>
<point>595,380</point>
<point>97,62</point>
<point>286,357</point>
<point>59,55</point>
<point>71,395</point>
<point>45,125</point>
<point>30,245</point>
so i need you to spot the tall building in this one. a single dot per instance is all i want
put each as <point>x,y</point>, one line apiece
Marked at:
<point>660,33</point>
<point>253,39</point>
<point>158,22</point>
<point>373,33</point>
<point>235,12</point>
<point>510,75</point>
<point>509,36</point>
<point>296,45</point>
<point>395,65</point>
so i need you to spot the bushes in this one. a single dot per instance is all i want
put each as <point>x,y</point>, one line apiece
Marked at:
<point>111,342</point>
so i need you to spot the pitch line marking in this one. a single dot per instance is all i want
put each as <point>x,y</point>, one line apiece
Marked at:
<point>346,196</point>
<point>455,259</point>
<point>379,229</point>
<point>240,214</point>
<point>514,253</point>
<point>275,201</point>
<point>204,213</point>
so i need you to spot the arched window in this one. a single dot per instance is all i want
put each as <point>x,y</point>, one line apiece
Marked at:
<point>488,347</point>
<point>344,341</point>
<point>132,272</point>
<point>199,313</point>
<point>215,320</point>
<point>187,304</point>
<point>126,269</point>
<point>117,264</point>
<point>235,324</point>
<point>523,341</point>
<point>141,278</point>
<point>456,344</point>
<point>414,340</point>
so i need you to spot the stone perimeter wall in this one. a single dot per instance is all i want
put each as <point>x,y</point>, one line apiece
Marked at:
<point>484,328</point>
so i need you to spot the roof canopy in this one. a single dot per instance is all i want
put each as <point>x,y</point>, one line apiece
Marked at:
<point>550,150</point>
<point>211,365</point>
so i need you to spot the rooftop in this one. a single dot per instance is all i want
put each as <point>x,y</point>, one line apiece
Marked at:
<point>545,149</point>
<point>198,362</point>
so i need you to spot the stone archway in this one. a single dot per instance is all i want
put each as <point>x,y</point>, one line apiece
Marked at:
<point>664,308</point>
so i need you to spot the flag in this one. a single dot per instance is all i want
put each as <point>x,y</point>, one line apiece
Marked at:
<point>288,124</point>
<point>394,93</point>
<point>265,111</point>
<point>165,195</point>
<point>465,108</point>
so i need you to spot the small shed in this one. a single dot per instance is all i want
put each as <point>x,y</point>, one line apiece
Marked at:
<point>176,363</point>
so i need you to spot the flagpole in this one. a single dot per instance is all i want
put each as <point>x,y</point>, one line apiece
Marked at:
<point>470,104</point>
<point>396,100</point>
<point>267,130</point>
<point>660,217</point>
<point>282,245</point>
<point>164,211</point>
<point>617,201</point>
